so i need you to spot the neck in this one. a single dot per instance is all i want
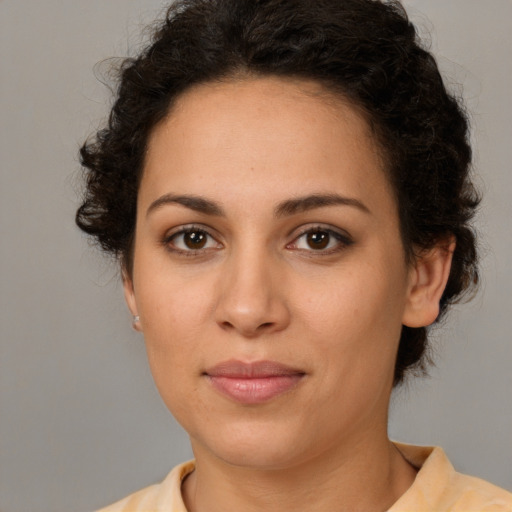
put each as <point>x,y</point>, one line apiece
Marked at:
<point>367,476</point>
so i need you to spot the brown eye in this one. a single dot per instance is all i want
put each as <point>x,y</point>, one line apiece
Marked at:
<point>321,240</point>
<point>191,240</point>
<point>195,239</point>
<point>318,239</point>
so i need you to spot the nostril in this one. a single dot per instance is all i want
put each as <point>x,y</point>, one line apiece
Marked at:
<point>226,325</point>
<point>247,330</point>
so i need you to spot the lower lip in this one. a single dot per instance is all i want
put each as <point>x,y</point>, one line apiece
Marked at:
<point>254,390</point>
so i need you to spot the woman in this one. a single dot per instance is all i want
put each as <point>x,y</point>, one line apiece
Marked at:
<point>286,186</point>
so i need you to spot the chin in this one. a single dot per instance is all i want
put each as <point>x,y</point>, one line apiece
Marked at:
<point>261,457</point>
<point>258,445</point>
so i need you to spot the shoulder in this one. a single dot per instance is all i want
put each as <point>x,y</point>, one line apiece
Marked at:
<point>475,494</point>
<point>439,488</point>
<point>165,496</point>
<point>141,500</point>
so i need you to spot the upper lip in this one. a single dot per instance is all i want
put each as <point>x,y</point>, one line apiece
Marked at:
<point>255,370</point>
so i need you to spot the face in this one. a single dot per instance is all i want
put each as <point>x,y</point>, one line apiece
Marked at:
<point>269,273</point>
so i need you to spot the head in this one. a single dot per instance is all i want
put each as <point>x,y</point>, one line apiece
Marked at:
<point>364,54</point>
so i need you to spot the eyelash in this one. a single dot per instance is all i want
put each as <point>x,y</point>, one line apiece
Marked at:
<point>342,241</point>
<point>169,239</point>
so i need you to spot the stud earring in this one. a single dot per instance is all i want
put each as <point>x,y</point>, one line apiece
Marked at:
<point>135,322</point>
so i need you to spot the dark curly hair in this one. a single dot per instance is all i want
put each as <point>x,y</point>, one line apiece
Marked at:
<point>366,51</point>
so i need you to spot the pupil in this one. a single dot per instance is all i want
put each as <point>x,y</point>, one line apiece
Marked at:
<point>318,240</point>
<point>195,240</point>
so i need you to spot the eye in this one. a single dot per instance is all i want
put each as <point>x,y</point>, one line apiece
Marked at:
<point>191,240</point>
<point>320,239</point>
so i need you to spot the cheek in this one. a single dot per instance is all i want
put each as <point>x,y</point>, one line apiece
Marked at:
<point>173,312</point>
<point>173,322</point>
<point>356,323</point>
<point>361,299</point>
<point>170,299</point>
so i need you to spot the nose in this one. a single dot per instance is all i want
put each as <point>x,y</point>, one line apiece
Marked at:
<point>251,299</point>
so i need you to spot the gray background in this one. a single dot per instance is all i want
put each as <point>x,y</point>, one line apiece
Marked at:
<point>81,424</point>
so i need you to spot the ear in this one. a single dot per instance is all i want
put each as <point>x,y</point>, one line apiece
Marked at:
<point>129,297</point>
<point>427,281</point>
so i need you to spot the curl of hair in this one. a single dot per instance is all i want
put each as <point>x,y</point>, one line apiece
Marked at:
<point>365,50</point>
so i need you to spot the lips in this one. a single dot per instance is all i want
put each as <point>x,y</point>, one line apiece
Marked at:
<point>253,383</point>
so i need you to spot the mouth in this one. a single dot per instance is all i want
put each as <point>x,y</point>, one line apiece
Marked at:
<point>253,383</point>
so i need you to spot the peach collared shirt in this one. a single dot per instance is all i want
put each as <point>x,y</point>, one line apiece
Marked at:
<point>437,488</point>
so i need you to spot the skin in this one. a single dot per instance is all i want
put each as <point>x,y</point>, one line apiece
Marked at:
<point>257,290</point>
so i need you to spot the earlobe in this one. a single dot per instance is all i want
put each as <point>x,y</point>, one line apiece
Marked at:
<point>129,296</point>
<point>428,277</point>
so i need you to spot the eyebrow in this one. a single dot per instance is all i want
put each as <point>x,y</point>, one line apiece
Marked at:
<point>283,209</point>
<point>310,202</point>
<point>196,203</point>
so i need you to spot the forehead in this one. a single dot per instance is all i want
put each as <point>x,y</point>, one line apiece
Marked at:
<point>266,137</point>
